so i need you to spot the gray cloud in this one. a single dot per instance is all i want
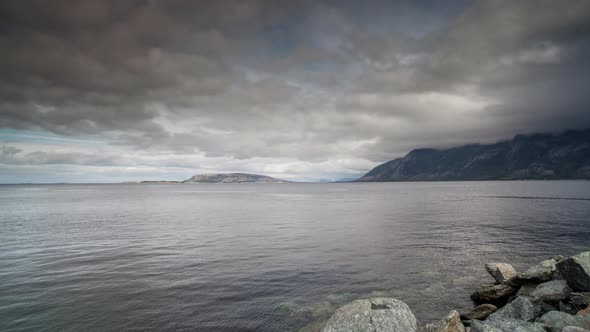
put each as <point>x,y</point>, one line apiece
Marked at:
<point>292,83</point>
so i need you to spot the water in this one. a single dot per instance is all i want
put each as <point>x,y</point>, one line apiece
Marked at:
<point>269,257</point>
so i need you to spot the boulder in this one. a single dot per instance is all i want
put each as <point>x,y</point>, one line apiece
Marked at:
<point>451,323</point>
<point>527,288</point>
<point>584,312</point>
<point>541,272</point>
<point>507,325</point>
<point>552,291</point>
<point>501,272</point>
<point>581,300</point>
<point>557,320</point>
<point>493,293</point>
<point>477,326</point>
<point>480,312</point>
<point>576,271</point>
<point>378,314</point>
<point>574,329</point>
<point>519,309</point>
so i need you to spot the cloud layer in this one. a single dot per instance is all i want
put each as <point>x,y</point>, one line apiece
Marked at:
<point>302,90</point>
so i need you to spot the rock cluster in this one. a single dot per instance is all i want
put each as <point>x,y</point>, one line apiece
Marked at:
<point>552,296</point>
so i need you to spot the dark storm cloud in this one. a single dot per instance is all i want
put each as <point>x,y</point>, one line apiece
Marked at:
<point>294,82</point>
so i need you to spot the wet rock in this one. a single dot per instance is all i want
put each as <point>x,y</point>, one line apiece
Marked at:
<point>376,314</point>
<point>576,271</point>
<point>508,325</point>
<point>557,320</point>
<point>541,272</point>
<point>493,293</point>
<point>552,291</point>
<point>521,309</point>
<point>501,272</point>
<point>451,323</point>
<point>480,312</point>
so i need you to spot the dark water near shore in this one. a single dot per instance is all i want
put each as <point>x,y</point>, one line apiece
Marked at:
<point>269,257</point>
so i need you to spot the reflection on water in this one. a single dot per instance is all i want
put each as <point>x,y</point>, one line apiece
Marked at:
<point>269,257</point>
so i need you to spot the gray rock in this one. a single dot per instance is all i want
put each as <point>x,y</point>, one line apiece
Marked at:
<point>520,308</point>
<point>451,323</point>
<point>379,314</point>
<point>576,270</point>
<point>480,312</point>
<point>581,300</point>
<point>527,288</point>
<point>574,329</point>
<point>552,291</point>
<point>477,326</point>
<point>541,272</point>
<point>508,325</point>
<point>557,320</point>
<point>493,293</point>
<point>501,272</point>
<point>542,308</point>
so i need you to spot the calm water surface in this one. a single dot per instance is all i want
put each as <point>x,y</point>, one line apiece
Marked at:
<point>269,257</point>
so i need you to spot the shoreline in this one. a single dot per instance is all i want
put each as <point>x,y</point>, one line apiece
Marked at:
<point>551,296</point>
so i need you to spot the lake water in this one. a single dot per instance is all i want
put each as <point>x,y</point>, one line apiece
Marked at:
<point>266,257</point>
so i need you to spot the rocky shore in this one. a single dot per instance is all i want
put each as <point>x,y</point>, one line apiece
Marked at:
<point>552,296</point>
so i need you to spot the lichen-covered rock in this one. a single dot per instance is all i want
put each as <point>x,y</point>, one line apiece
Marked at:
<point>451,323</point>
<point>520,308</point>
<point>552,291</point>
<point>541,272</point>
<point>501,272</point>
<point>379,314</point>
<point>557,320</point>
<point>493,293</point>
<point>576,271</point>
<point>507,325</point>
<point>480,312</point>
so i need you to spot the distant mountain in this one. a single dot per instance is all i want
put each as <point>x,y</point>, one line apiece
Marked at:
<point>537,156</point>
<point>232,178</point>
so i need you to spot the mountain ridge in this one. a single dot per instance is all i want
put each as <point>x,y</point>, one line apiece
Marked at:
<point>535,156</point>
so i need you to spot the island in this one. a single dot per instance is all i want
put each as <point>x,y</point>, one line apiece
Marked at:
<point>232,178</point>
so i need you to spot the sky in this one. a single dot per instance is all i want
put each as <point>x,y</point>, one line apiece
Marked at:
<point>110,91</point>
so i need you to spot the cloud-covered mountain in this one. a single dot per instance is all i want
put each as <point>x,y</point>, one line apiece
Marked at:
<point>538,156</point>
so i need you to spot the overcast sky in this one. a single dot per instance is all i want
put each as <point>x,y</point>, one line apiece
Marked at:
<point>108,91</point>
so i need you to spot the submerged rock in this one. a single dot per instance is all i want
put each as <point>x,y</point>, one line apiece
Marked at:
<point>541,272</point>
<point>480,312</point>
<point>451,323</point>
<point>379,314</point>
<point>576,271</point>
<point>520,308</point>
<point>493,293</point>
<point>552,291</point>
<point>558,320</point>
<point>501,272</point>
